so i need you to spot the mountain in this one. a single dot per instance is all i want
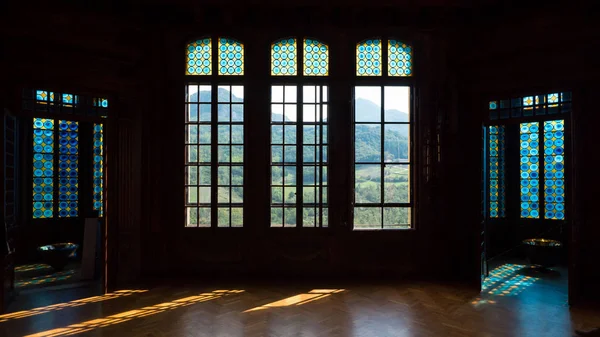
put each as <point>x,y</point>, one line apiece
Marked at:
<point>365,110</point>
<point>237,111</point>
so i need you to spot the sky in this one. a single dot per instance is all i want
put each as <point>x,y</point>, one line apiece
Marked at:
<point>396,97</point>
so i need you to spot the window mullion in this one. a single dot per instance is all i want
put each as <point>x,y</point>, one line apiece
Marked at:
<point>214,156</point>
<point>382,157</point>
<point>55,172</point>
<point>300,157</point>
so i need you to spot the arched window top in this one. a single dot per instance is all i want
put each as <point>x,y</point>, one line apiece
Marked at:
<point>399,59</point>
<point>284,57</point>
<point>369,58</point>
<point>199,61</point>
<point>370,62</point>
<point>316,58</point>
<point>231,57</point>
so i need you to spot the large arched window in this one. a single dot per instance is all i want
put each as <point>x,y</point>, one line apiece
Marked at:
<point>383,135</point>
<point>299,133</point>
<point>214,133</point>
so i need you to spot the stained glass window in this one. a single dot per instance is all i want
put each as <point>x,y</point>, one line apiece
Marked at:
<point>231,57</point>
<point>101,102</point>
<point>316,58</point>
<point>528,106</point>
<point>554,169</point>
<point>496,164</point>
<point>43,168</point>
<point>44,96</point>
<point>530,170</point>
<point>68,168</point>
<point>399,59</point>
<point>98,150</point>
<point>369,58</point>
<point>284,57</point>
<point>199,55</point>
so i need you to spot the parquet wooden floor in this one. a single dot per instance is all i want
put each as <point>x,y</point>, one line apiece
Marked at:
<point>519,308</point>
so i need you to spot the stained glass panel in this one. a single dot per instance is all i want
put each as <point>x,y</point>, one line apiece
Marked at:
<point>101,102</point>
<point>529,170</point>
<point>44,96</point>
<point>554,169</point>
<point>496,171</point>
<point>231,57</point>
<point>199,57</point>
<point>316,58</point>
<point>284,57</point>
<point>43,168</point>
<point>68,168</point>
<point>369,58</point>
<point>399,59</point>
<point>98,168</point>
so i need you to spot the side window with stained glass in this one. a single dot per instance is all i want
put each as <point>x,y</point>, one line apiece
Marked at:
<point>56,153</point>
<point>284,57</point>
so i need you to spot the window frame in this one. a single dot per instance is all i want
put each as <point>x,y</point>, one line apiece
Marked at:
<point>388,81</point>
<point>214,80</point>
<point>86,112</point>
<point>300,80</point>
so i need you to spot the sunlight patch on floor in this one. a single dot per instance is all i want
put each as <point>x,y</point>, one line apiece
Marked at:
<point>71,304</point>
<point>300,299</point>
<point>133,314</point>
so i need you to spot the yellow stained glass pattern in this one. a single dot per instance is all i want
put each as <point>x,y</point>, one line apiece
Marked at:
<point>199,55</point>
<point>316,58</point>
<point>369,58</point>
<point>231,57</point>
<point>284,57</point>
<point>399,59</point>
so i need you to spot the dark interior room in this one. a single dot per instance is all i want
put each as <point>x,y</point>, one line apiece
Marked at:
<point>317,168</point>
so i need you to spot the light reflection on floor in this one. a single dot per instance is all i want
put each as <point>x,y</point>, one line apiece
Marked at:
<point>45,279</point>
<point>506,280</point>
<point>129,315</point>
<point>300,299</point>
<point>71,304</point>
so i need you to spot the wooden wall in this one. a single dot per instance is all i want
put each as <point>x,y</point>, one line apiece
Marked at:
<point>138,59</point>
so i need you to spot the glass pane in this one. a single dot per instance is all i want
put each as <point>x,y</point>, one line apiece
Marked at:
<point>290,217</point>
<point>224,111</point>
<point>277,217</point>
<point>290,134</point>
<point>310,216</point>
<point>276,195</point>
<point>223,175</point>
<point>289,194</point>
<point>276,154</point>
<point>192,175</point>
<point>396,184</point>
<point>308,175</point>
<point>199,60</point>
<point>231,57</point>
<point>237,194</point>
<point>369,58</point>
<point>397,104</point>
<point>237,154</point>
<point>277,134</point>
<point>290,154</point>
<point>223,195</point>
<point>204,151</point>
<point>237,217</point>
<point>399,59</point>
<point>290,175</point>
<point>308,193</point>
<point>204,195</point>
<point>192,112</point>
<point>277,93</point>
<point>277,113</point>
<point>204,134</point>
<point>277,175</point>
<point>204,217</point>
<point>224,134</point>
<point>284,57</point>
<point>309,94</point>
<point>223,217</point>
<point>192,195</point>
<point>237,175</point>
<point>205,114</point>
<point>367,104</point>
<point>205,175</point>
<point>367,143</point>
<point>291,94</point>
<point>367,218</point>
<point>396,218</point>
<point>316,58</point>
<point>224,154</point>
<point>291,113</point>
<point>191,217</point>
<point>367,184</point>
<point>396,143</point>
